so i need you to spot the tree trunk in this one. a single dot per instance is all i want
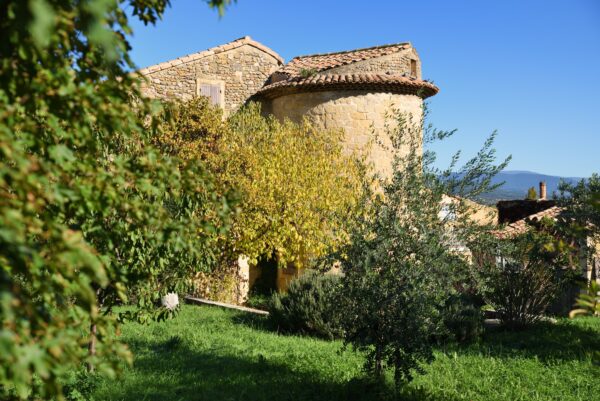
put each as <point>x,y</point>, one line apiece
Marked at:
<point>92,347</point>
<point>378,363</point>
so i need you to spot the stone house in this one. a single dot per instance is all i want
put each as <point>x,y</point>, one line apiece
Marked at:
<point>351,90</point>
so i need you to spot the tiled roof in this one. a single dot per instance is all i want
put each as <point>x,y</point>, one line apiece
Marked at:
<point>325,82</point>
<point>246,40</point>
<point>325,61</point>
<point>521,226</point>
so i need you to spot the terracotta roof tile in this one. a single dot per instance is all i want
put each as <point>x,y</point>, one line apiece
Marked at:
<point>521,226</point>
<point>325,82</point>
<point>326,61</point>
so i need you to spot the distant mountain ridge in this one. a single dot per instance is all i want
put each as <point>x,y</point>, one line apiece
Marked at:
<point>517,183</point>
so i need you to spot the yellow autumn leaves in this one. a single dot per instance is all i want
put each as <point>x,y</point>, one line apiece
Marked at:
<point>299,189</point>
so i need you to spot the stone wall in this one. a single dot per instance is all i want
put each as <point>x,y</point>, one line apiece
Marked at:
<point>241,71</point>
<point>359,113</point>
<point>394,64</point>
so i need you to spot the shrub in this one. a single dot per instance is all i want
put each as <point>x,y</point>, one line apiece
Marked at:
<point>524,276</point>
<point>309,306</point>
<point>258,300</point>
<point>80,385</point>
<point>520,293</point>
<point>220,285</point>
<point>463,319</point>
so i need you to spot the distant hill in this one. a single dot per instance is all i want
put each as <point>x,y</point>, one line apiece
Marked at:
<point>518,182</point>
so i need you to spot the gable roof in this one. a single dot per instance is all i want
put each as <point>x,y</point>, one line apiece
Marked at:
<point>326,61</point>
<point>326,82</point>
<point>246,40</point>
<point>521,226</point>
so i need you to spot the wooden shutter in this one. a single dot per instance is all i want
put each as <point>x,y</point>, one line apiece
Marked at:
<point>211,91</point>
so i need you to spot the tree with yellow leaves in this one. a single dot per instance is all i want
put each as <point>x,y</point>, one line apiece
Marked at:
<point>299,189</point>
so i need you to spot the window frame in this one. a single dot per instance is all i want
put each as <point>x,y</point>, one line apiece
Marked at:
<point>212,82</point>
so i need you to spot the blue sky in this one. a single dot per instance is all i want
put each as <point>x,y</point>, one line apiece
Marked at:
<point>529,69</point>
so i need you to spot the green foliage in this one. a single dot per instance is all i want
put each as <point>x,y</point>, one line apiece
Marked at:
<point>582,201</point>
<point>299,188</point>
<point>90,211</point>
<point>581,215</point>
<point>309,306</point>
<point>589,301</point>
<point>258,300</point>
<point>463,319</point>
<point>531,194</point>
<point>191,130</point>
<point>522,275</point>
<point>405,258</point>
<point>80,385</point>
<point>308,72</point>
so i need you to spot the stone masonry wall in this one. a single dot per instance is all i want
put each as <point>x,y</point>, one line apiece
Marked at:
<point>358,113</point>
<point>394,64</point>
<point>243,70</point>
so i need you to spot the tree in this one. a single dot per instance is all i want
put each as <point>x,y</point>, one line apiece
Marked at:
<point>585,202</point>
<point>90,211</point>
<point>298,190</point>
<point>581,203</point>
<point>404,260</point>
<point>531,194</point>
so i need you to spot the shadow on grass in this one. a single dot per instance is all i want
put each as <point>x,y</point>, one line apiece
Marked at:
<point>254,321</point>
<point>171,371</point>
<point>563,341</point>
<point>548,342</point>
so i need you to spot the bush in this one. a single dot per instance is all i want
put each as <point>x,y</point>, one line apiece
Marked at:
<point>79,385</point>
<point>309,306</point>
<point>521,293</point>
<point>525,276</point>
<point>219,285</point>
<point>463,319</point>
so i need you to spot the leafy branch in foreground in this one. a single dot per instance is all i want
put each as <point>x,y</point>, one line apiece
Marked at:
<point>90,211</point>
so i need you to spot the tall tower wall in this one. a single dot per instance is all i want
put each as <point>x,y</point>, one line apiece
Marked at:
<point>360,113</point>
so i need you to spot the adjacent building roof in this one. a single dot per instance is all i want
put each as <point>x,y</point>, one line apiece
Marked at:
<point>510,211</point>
<point>326,82</point>
<point>246,40</point>
<point>311,74</point>
<point>325,61</point>
<point>521,226</point>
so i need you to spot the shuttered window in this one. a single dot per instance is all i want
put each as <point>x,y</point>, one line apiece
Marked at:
<point>413,68</point>
<point>212,90</point>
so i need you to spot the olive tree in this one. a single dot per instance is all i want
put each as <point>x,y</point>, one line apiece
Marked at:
<point>407,256</point>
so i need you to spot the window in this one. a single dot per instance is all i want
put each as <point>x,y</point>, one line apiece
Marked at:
<point>213,90</point>
<point>447,212</point>
<point>413,68</point>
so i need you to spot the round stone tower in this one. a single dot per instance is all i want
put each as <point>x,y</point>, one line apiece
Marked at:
<point>353,90</point>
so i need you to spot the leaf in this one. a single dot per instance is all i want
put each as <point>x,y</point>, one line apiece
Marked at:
<point>42,25</point>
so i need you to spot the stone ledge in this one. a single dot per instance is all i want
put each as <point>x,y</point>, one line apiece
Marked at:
<point>203,301</point>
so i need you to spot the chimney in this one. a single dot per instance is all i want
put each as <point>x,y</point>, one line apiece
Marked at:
<point>542,190</point>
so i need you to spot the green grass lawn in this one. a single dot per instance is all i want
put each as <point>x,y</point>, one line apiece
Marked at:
<point>213,354</point>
